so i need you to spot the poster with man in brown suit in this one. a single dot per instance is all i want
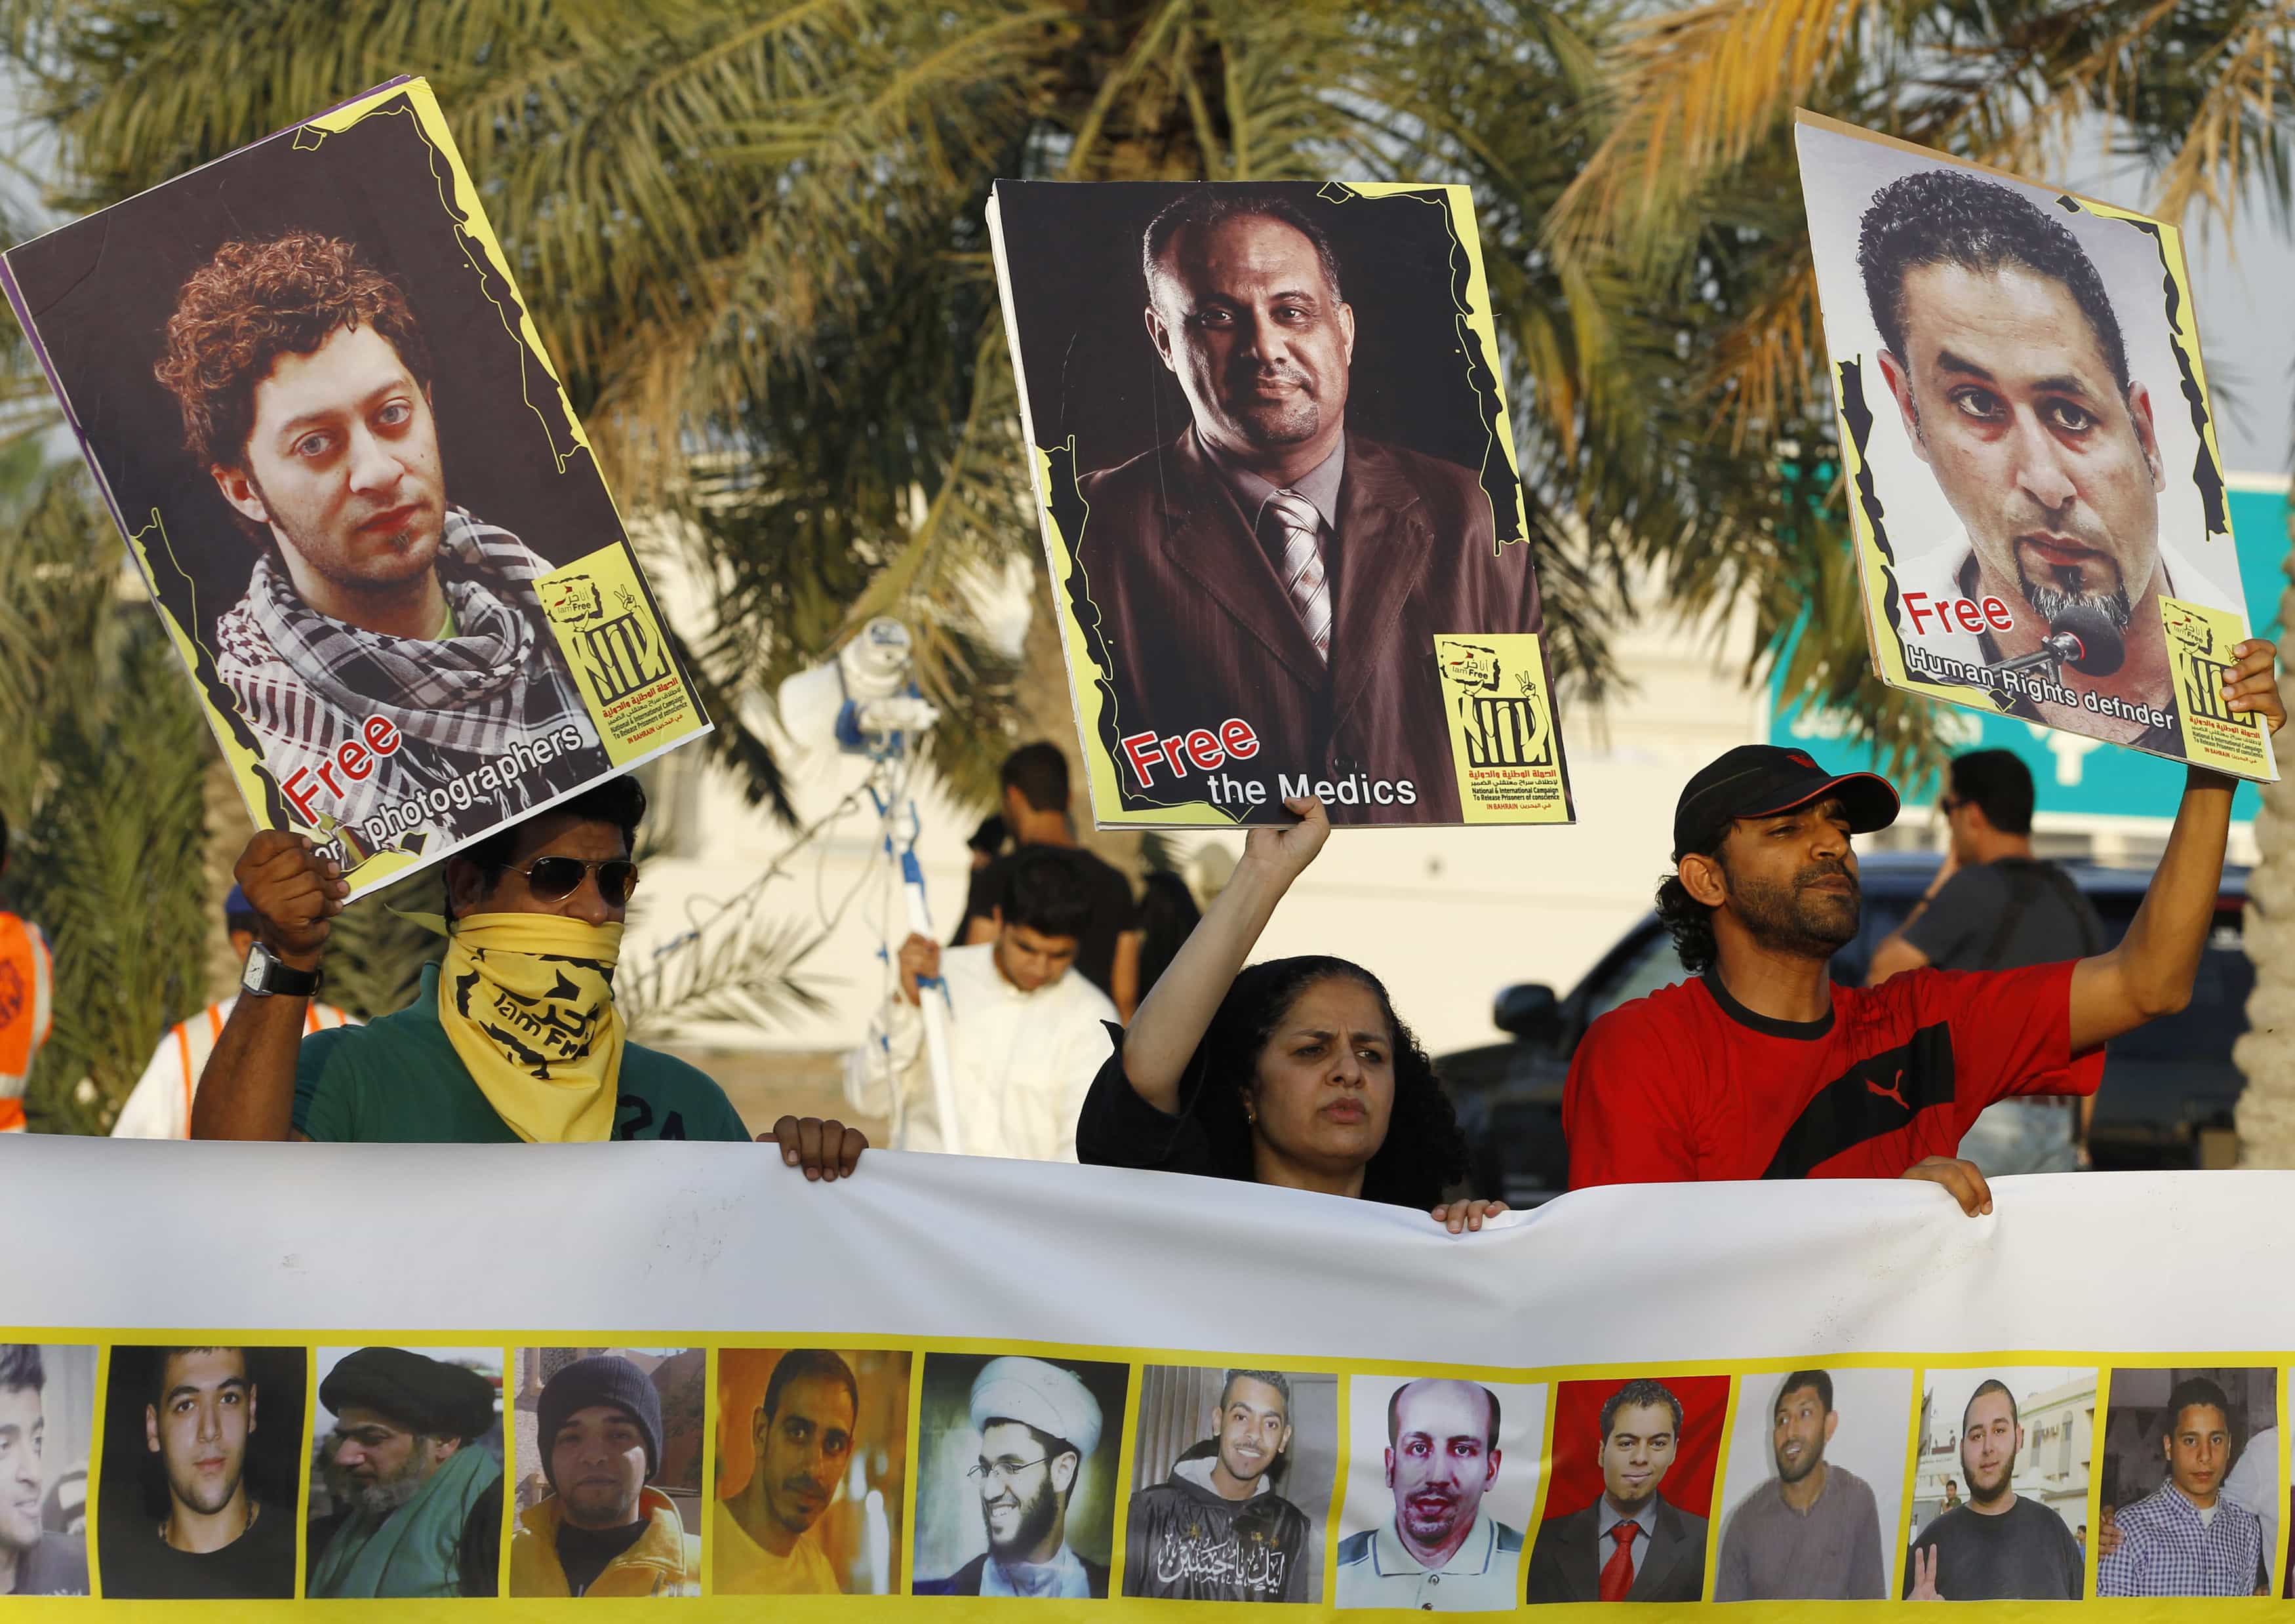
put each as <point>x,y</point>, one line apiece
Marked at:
<point>1284,522</point>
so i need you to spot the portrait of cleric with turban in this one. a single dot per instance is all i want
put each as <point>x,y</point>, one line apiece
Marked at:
<point>413,1474</point>
<point>1023,1454</point>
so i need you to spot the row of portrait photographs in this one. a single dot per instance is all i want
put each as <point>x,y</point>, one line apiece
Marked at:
<point>273,1472</point>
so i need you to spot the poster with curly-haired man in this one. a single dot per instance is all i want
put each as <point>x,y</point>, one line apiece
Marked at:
<point>309,391</point>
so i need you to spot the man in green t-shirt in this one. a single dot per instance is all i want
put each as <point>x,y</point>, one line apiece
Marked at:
<point>514,1037</point>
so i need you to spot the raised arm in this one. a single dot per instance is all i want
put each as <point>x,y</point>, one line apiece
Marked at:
<point>1164,1034</point>
<point>2150,974</point>
<point>248,1091</point>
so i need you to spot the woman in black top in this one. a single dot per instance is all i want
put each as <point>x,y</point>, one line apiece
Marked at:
<point>1295,1071</point>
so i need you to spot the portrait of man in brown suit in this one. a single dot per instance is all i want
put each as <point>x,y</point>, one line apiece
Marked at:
<point>1270,563</point>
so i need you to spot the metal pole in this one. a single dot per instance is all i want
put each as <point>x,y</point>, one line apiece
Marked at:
<point>932,993</point>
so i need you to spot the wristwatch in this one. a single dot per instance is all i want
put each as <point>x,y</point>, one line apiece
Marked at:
<point>264,975</point>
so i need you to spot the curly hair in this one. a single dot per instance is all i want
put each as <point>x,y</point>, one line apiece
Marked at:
<point>256,301</point>
<point>1944,217</point>
<point>1688,921</point>
<point>1424,1152</point>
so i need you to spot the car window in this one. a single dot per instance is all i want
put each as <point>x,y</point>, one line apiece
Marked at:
<point>1652,964</point>
<point>2204,1030</point>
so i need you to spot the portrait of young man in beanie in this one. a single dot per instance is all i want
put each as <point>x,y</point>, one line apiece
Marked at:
<point>603,1529</point>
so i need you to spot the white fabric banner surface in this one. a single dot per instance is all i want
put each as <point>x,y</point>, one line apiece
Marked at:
<point>1125,1312</point>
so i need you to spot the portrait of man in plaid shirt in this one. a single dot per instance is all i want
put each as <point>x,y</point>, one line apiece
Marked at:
<point>2188,1538</point>
<point>305,384</point>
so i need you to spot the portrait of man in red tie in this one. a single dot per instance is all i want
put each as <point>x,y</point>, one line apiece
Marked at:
<point>1631,1544</point>
<point>1253,538</point>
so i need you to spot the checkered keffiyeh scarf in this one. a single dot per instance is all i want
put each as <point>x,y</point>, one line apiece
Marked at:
<point>476,692</point>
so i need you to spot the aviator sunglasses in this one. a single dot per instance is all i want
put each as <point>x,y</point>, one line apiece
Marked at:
<point>553,878</point>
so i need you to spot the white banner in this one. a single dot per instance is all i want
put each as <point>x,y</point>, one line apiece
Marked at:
<point>1076,1382</point>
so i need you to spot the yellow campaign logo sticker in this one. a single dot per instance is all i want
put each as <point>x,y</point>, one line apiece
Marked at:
<point>2200,644</point>
<point>1501,725</point>
<point>605,626</point>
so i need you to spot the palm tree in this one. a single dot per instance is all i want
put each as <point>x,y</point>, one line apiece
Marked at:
<point>2197,92</point>
<point>103,760</point>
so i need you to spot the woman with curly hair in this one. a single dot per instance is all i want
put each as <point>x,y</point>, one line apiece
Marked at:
<point>1295,1071</point>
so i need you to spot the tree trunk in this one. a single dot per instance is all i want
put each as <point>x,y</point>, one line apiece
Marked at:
<point>2265,1055</point>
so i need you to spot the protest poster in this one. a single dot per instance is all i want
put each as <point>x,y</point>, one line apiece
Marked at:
<point>2034,485</point>
<point>948,1377</point>
<point>1287,538</point>
<point>312,397</point>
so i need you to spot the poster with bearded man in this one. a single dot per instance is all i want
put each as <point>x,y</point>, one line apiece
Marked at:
<point>311,395</point>
<point>2030,462</point>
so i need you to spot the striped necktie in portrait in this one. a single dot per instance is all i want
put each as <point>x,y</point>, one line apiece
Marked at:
<point>1293,522</point>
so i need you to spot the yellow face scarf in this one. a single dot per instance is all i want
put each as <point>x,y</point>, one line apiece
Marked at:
<point>528,1001</point>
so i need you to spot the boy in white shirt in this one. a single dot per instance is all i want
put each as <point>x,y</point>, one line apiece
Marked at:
<point>1026,1032</point>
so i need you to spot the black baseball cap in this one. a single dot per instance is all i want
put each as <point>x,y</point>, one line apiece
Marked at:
<point>1762,780</point>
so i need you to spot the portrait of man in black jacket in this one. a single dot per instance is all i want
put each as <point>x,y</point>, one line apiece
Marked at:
<point>1216,1529</point>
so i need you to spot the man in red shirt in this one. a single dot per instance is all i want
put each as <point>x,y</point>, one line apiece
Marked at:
<point>1762,1068</point>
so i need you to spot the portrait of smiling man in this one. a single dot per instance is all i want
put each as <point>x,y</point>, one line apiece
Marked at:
<point>1038,1423</point>
<point>34,1559</point>
<point>218,1538</point>
<point>1440,1551</point>
<point>1632,1544</point>
<point>1216,1529</point>
<point>1273,562</point>
<point>305,388</point>
<point>2010,371</point>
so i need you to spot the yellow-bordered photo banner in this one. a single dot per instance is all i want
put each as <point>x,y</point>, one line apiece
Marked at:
<point>973,1388</point>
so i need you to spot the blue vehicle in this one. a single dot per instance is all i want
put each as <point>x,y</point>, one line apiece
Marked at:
<point>2168,1087</point>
